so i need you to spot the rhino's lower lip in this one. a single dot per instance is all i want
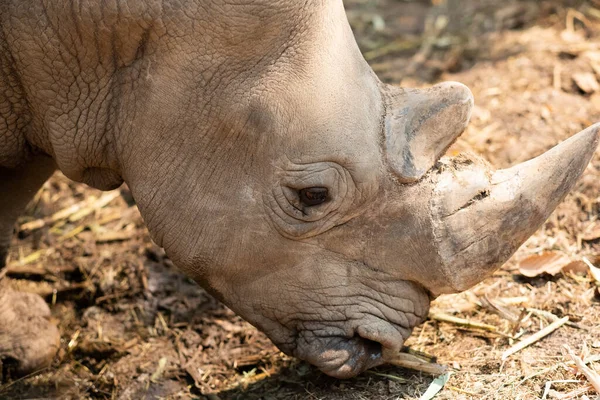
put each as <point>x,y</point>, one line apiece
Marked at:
<point>345,357</point>
<point>358,355</point>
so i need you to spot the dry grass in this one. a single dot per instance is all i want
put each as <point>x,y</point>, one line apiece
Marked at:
<point>133,327</point>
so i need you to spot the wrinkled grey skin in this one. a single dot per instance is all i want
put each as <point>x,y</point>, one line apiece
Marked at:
<point>216,113</point>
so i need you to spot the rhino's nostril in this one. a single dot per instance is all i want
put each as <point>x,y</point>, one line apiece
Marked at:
<point>374,349</point>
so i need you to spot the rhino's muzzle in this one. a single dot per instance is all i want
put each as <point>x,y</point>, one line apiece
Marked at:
<point>481,218</point>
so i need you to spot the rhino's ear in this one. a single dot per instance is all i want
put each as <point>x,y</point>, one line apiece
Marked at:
<point>420,125</point>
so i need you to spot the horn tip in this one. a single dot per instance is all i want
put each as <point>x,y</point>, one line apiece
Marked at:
<point>460,93</point>
<point>593,134</point>
<point>584,143</point>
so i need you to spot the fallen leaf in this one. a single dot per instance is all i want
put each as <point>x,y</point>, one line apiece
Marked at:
<point>587,82</point>
<point>576,267</point>
<point>436,386</point>
<point>594,271</point>
<point>546,263</point>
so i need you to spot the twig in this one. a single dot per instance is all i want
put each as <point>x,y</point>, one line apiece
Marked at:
<point>27,270</point>
<point>557,78</point>
<point>463,391</point>
<point>62,289</point>
<point>119,214</point>
<point>548,386</point>
<point>392,377</point>
<point>102,202</point>
<point>73,213</point>
<point>538,373</point>
<point>589,373</point>
<point>107,237</point>
<point>36,255</point>
<point>72,233</point>
<point>516,325</point>
<point>422,355</point>
<point>462,322</point>
<point>502,311</point>
<point>160,369</point>
<point>534,338</point>
<point>572,15</point>
<point>413,362</point>
<point>575,48</point>
<point>513,301</point>
<point>552,318</point>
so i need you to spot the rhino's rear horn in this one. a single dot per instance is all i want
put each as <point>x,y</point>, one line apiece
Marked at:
<point>420,125</point>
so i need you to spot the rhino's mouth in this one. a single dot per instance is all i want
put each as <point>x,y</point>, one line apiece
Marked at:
<point>341,357</point>
<point>350,339</point>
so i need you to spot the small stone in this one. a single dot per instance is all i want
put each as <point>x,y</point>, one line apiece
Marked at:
<point>27,335</point>
<point>586,82</point>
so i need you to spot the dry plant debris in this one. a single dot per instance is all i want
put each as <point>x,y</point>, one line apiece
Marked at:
<point>534,338</point>
<point>133,327</point>
<point>589,373</point>
<point>415,363</point>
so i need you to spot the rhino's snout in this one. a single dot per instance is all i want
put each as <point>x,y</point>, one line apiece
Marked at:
<point>468,220</point>
<point>375,314</point>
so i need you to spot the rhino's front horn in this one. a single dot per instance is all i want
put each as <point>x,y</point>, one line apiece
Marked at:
<point>420,125</point>
<point>481,219</point>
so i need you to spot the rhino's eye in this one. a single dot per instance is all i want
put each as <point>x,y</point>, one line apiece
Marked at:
<point>313,196</point>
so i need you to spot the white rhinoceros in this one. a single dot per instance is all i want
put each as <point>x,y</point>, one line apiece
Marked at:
<point>268,160</point>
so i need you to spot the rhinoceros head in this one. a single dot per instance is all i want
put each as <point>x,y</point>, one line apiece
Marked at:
<point>314,200</point>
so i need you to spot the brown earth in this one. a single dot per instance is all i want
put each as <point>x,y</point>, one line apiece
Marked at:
<point>133,327</point>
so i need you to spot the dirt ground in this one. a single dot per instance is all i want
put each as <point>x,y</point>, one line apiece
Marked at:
<point>134,328</point>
